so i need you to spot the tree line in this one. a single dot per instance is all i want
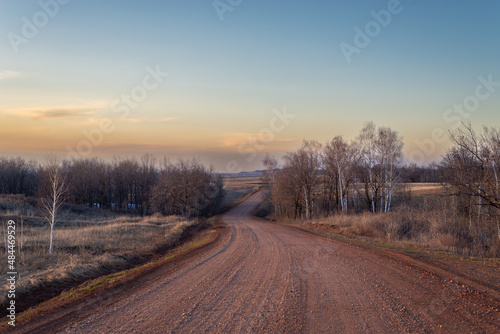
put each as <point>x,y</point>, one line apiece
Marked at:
<point>368,174</point>
<point>339,176</point>
<point>141,186</point>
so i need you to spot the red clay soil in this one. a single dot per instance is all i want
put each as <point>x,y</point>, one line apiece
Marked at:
<point>262,277</point>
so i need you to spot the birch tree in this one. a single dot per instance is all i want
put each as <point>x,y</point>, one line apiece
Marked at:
<point>381,155</point>
<point>368,164</point>
<point>389,146</point>
<point>53,191</point>
<point>340,159</point>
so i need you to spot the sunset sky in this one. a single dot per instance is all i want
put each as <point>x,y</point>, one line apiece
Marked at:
<point>202,78</point>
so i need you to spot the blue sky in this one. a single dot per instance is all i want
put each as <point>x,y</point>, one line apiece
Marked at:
<point>226,78</point>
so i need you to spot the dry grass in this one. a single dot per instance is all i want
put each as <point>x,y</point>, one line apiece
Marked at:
<point>86,245</point>
<point>423,215</point>
<point>17,205</point>
<point>434,229</point>
<point>423,189</point>
<point>392,226</point>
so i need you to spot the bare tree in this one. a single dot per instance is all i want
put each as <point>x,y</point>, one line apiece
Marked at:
<point>53,190</point>
<point>125,183</point>
<point>269,173</point>
<point>381,155</point>
<point>146,182</point>
<point>18,176</point>
<point>389,146</point>
<point>368,164</point>
<point>187,188</point>
<point>286,194</point>
<point>340,159</point>
<point>296,184</point>
<point>471,169</point>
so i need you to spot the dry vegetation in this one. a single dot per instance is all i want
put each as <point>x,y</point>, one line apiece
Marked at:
<point>343,181</point>
<point>425,189</point>
<point>430,221</point>
<point>87,243</point>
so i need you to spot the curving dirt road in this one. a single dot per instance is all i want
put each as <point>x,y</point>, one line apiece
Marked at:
<point>262,277</point>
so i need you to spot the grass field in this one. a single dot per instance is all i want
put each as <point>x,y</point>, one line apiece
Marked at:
<point>426,188</point>
<point>87,244</point>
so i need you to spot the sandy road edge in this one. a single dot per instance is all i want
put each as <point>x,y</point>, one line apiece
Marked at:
<point>49,315</point>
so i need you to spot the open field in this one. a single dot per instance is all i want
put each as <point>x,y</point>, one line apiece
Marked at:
<point>237,186</point>
<point>242,181</point>
<point>86,245</point>
<point>422,189</point>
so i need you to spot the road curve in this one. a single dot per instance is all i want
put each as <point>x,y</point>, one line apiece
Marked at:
<point>267,278</point>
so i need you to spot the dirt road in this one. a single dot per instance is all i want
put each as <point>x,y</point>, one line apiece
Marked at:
<point>262,277</point>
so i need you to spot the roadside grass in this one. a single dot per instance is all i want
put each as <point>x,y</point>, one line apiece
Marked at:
<point>419,231</point>
<point>422,217</point>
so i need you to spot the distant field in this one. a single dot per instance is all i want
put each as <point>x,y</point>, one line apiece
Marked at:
<point>238,186</point>
<point>242,182</point>
<point>421,189</point>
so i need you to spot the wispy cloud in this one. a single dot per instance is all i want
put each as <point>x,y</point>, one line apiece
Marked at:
<point>56,112</point>
<point>59,113</point>
<point>9,74</point>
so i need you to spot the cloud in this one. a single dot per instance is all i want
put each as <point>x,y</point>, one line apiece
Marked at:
<point>9,74</point>
<point>59,112</point>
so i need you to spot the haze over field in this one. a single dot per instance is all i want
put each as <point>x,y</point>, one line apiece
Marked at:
<point>227,81</point>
